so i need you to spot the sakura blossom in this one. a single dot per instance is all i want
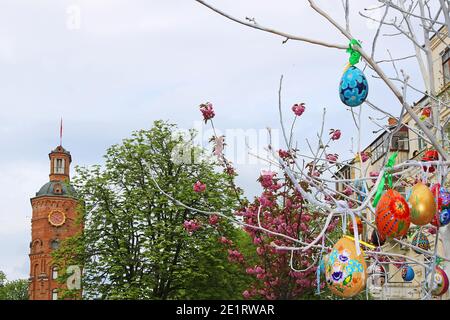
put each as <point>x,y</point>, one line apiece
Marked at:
<point>191,225</point>
<point>298,109</point>
<point>335,134</point>
<point>199,187</point>
<point>207,111</point>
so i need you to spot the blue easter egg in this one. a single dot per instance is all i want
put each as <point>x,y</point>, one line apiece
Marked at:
<point>407,273</point>
<point>444,216</point>
<point>353,88</point>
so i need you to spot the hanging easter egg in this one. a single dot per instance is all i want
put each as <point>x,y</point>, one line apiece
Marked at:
<point>407,273</point>
<point>440,283</point>
<point>358,223</point>
<point>345,270</point>
<point>420,240</point>
<point>392,215</point>
<point>444,217</point>
<point>376,239</point>
<point>445,196</point>
<point>353,88</point>
<point>423,205</point>
<point>377,275</point>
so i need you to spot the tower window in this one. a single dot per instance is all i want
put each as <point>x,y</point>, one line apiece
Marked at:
<point>54,294</point>
<point>59,166</point>
<point>54,244</point>
<point>54,273</point>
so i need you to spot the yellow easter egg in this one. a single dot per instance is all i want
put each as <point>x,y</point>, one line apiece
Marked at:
<point>423,205</point>
<point>345,270</point>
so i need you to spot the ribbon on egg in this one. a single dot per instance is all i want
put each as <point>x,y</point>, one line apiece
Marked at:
<point>355,55</point>
<point>343,208</point>
<point>387,175</point>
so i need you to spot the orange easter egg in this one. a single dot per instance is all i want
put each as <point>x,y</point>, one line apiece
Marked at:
<point>392,215</point>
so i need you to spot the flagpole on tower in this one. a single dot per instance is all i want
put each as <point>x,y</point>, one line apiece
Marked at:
<point>61,132</point>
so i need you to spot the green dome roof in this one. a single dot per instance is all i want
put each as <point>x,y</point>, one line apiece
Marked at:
<point>56,188</point>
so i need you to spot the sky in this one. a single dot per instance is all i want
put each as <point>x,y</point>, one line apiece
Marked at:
<point>109,67</point>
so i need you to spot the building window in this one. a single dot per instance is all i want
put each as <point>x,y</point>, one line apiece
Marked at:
<point>55,294</point>
<point>59,166</point>
<point>54,273</point>
<point>446,66</point>
<point>400,141</point>
<point>379,149</point>
<point>343,174</point>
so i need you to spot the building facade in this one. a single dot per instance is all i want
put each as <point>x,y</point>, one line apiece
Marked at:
<point>53,220</point>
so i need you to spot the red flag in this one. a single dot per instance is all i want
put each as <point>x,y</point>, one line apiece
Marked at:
<point>61,132</point>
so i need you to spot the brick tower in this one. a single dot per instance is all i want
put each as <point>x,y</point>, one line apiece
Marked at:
<point>53,220</point>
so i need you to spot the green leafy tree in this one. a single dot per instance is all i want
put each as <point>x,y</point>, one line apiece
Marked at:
<point>139,244</point>
<point>13,290</point>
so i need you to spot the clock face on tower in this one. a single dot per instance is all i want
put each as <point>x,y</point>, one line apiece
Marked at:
<point>56,218</point>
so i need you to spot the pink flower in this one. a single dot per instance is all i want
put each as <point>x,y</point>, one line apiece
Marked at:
<point>250,270</point>
<point>265,202</point>
<point>266,178</point>
<point>335,134</point>
<point>246,294</point>
<point>257,240</point>
<point>213,219</point>
<point>303,227</point>
<point>207,111</point>
<point>235,256</point>
<point>284,154</point>
<point>315,173</point>
<point>298,109</point>
<point>229,170</point>
<point>258,269</point>
<point>306,218</point>
<point>275,186</point>
<point>364,157</point>
<point>225,241</point>
<point>199,187</point>
<point>348,191</point>
<point>332,157</point>
<point>374,175</point>
<point>260,251</point>
<point>191,226</point>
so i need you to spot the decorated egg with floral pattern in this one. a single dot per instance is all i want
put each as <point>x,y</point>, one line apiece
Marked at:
<point>392,215</point>
<point>353,89</point>
<point>421,240</point>
<point>345,270</point>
